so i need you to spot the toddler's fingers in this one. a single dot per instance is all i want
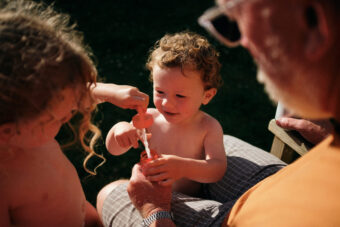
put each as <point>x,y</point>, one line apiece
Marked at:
<point>156,162</point>
<point>120,142</point>
<point>134,141</point>
<point>125,142</point>
<point>153,170</point>
<point>157,177</point>
<point>166,182</point>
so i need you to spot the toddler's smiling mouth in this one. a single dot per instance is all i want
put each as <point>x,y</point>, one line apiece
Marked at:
<point>170,114</point>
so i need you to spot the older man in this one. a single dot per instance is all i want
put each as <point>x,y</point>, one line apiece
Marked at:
<point>295,44</point>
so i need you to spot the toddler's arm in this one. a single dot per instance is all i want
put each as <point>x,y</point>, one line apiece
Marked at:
<point>213,168</point>
<point>121,137</point>
<point>123,96</point>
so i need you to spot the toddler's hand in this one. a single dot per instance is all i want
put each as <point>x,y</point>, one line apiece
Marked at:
<point>126,135</point>
<point>166,169</point>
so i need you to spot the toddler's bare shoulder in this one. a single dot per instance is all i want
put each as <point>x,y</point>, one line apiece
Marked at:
<point>209,121</point>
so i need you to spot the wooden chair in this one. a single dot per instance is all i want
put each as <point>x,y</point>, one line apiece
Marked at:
<point>287,145</point>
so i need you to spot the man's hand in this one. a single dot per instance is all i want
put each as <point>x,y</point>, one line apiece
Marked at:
<point>313,131</point>
<point>146,196</point>
<point>164,170</point>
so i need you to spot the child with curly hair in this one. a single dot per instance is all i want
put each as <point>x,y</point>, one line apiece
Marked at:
<point>46,76</point>
<point>185,74</point>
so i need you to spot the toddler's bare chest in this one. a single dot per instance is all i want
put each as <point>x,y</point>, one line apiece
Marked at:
<point>184,143</point>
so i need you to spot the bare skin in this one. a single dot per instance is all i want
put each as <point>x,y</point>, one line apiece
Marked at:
<point>123,96</point>
<point>172,140</point>
<point>42,188</point>
<point>149,204</point>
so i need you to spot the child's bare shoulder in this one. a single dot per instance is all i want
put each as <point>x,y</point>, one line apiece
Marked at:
<point>209,122</point>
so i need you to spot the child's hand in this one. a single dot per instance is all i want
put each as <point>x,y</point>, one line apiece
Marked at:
<point>126,135</point>
<point>123,96</point>
<point>166,169</point>
<point>129,97</point>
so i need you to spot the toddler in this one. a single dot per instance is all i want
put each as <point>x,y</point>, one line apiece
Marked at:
<point>185,74</point>
<point>46,76</point>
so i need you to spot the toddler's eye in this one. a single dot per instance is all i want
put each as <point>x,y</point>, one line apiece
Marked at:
<point>180,96</point>
<point>159,92</point>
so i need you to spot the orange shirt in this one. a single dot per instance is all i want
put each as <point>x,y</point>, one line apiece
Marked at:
<point>305,193</point>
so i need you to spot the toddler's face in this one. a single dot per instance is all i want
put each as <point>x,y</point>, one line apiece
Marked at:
<point>176,96</point>
<point>35,132</point>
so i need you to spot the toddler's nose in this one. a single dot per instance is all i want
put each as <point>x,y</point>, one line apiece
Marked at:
<point>167,103</point>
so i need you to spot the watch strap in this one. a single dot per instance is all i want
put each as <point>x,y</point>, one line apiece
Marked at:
<point>156,216</point>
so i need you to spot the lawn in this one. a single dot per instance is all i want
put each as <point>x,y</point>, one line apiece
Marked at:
<point>120,33</point>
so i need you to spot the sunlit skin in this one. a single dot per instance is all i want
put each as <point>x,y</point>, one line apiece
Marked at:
<point>178,97</point>
<point>42,186</point>
<point>277,56</point>
<point>190,141</point>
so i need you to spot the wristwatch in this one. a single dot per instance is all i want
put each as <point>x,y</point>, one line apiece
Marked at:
<point>156,216</point>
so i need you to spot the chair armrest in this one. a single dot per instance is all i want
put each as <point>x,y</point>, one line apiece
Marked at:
<point>292,139</point>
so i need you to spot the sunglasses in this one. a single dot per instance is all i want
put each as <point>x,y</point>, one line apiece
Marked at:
<point>218,24</point>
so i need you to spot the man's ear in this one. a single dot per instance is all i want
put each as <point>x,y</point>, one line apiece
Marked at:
<point>318,31</point>
<point>7,130</point>
<point>208,95</point>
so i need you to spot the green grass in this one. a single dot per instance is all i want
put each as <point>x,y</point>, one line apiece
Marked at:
<point>120,33</point>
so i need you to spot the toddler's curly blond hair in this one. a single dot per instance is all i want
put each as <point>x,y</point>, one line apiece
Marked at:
<point>187,50</point>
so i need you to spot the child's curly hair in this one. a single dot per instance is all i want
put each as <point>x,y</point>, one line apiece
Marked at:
<point>40,55</point>
<point>187,50</point>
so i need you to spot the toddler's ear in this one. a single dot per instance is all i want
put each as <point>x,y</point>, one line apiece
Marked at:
<point>208,95</point>
<point>7,130</point>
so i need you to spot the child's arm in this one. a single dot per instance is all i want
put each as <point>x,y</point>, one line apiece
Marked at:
<point>170,168</point>
<point>121,137</point>
<point>123,96</point>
